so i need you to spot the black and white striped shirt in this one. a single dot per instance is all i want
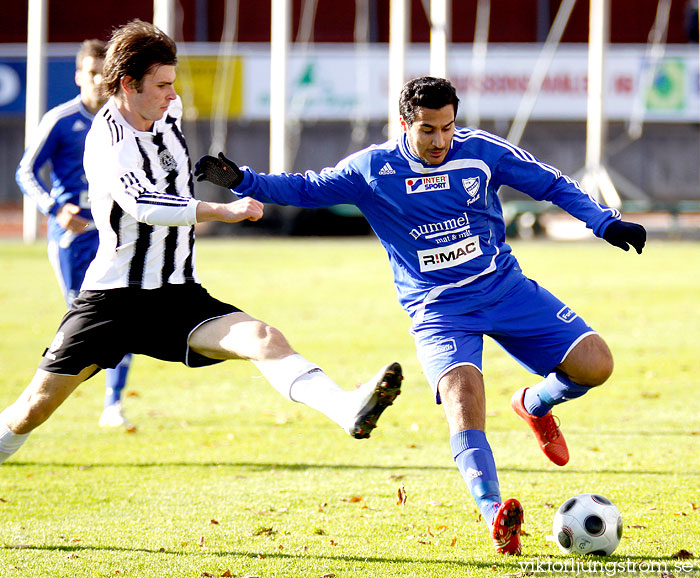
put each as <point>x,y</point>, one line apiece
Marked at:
<point>142,198</point>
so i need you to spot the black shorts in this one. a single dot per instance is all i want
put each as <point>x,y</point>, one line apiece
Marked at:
<point>103,326</point>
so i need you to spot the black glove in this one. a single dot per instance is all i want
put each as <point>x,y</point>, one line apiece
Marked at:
<point>221,171</point>
<point>623,234</point>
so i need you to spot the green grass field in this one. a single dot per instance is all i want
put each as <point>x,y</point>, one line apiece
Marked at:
<point>226,478</point>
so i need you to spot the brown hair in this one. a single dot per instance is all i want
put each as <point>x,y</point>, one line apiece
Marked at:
<point>93,47</point>
<point>133,50</point>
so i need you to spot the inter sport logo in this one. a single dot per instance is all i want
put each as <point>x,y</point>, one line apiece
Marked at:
<point>425,184</point>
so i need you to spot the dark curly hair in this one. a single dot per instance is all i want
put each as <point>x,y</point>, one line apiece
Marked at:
<point>426,92</point>
<point>133,50</point>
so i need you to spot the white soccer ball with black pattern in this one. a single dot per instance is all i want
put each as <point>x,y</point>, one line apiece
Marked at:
<point>587,524</point>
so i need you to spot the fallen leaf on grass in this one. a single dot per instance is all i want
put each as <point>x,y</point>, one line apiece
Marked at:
<point>401,496</point>
<point>333,543</point>
<point>201,541</point>
<point>454,541</point>
<point>263,532</point>
<point>72,556</point>
<point>352,499</point>
<point>328,576</point>
<point>637,526</point>
<point>226,574</point>
<point>684,554</point>
<point>213,522</point>
<point>4,500</point>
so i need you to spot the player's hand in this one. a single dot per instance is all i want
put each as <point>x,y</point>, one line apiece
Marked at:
<point>69,218</point>
<point>220,171</point>
<point>623,234</point>
<point>245,209</point>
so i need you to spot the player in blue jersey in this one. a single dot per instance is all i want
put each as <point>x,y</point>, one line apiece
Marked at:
<point>72,237</point>
<point>431,197</point>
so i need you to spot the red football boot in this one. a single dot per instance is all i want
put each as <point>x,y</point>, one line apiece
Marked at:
<point>546,430</point>
<point>506,527</point>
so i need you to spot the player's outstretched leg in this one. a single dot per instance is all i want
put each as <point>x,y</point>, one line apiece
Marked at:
<point>355,411</point>
<point>505,530</point>
<point>375,396</point>
<point>545,428</point>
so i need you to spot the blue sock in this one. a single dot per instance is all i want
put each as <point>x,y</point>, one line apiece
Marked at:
<point>554,389</point>
<point>474,459</point>
<point>116,380</point>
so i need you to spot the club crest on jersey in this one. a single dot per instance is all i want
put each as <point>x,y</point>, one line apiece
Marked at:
<point>167,161</point>
<point>425,184</point>
<point>471,186</point>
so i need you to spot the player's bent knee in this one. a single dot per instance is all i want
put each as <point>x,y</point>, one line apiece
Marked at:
<point>590,363</point>
<point>273,344</point>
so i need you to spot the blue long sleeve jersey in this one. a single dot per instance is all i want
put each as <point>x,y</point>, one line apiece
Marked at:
<point>442,226</point>
<point>60,141</point>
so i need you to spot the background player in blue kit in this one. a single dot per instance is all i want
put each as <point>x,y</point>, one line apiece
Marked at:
<point>431,197</point>
<point>72,238</point>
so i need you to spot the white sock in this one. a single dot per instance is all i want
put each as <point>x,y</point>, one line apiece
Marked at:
<point>9,442</point>
<point>299,380</point>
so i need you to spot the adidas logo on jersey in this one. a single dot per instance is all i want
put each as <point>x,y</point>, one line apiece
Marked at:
<point>79,125</point>
<point>387,170</point>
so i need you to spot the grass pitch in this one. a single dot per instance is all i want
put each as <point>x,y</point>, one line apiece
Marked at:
<point>225,478</point>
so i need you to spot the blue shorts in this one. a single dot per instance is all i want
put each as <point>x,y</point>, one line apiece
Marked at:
<point>530,323</point>
<point>70,257</point>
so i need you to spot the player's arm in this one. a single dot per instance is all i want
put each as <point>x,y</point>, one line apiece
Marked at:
<point>519,169</point>
<point>37,155</point>
<point>340,185</point>
<point>233,212</point>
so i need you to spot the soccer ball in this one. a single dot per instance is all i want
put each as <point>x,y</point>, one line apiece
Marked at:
<point>587,524</point>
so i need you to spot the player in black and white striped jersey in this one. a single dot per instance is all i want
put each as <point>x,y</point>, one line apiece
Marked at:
<point>141,294</point>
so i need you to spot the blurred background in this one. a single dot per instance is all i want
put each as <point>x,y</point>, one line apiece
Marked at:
<point>521,68</point>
